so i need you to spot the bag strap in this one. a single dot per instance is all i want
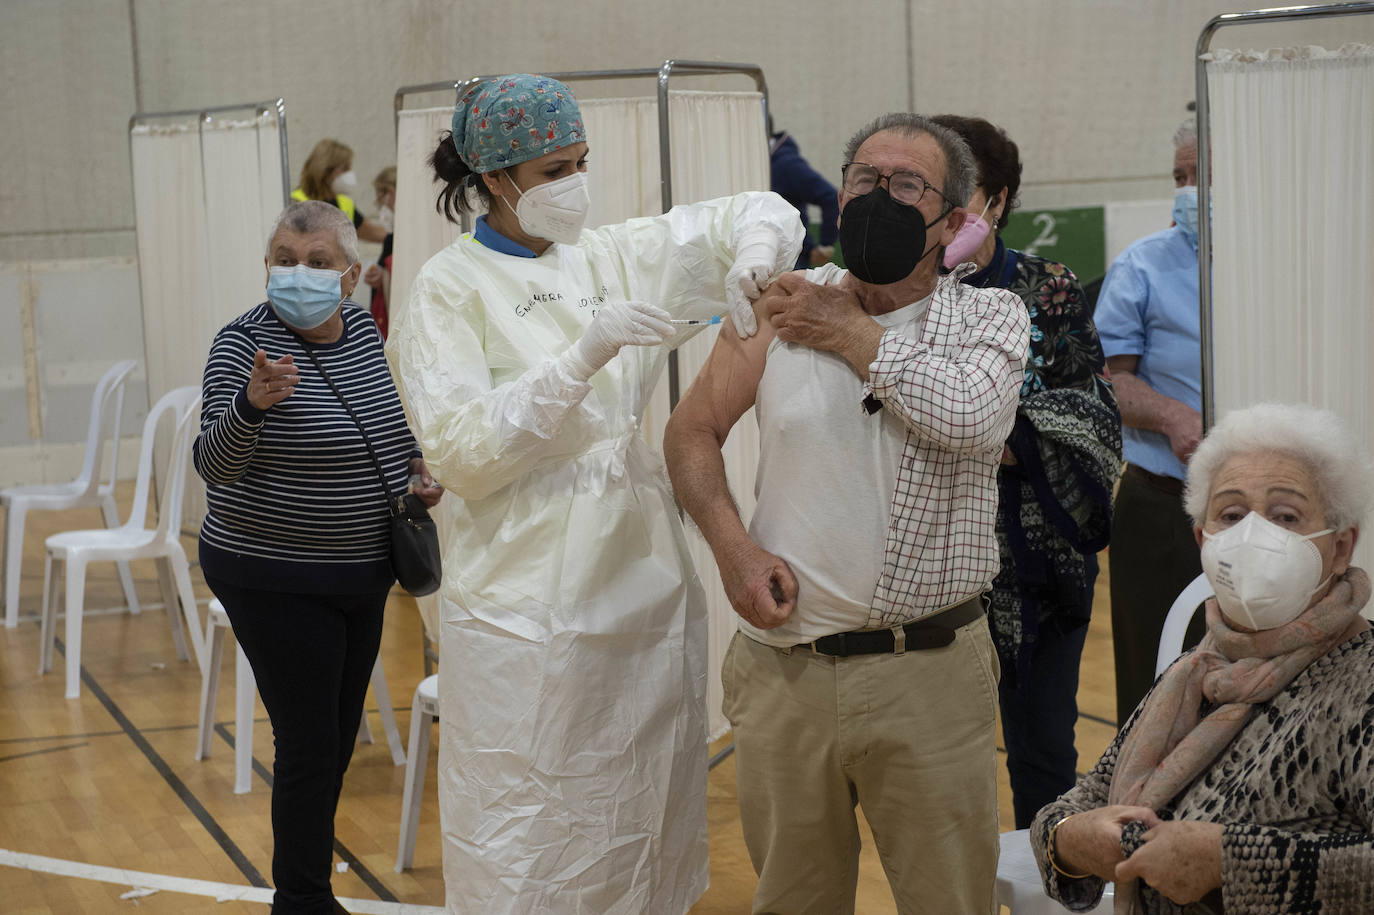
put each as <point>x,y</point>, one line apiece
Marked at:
<point>386,490</point>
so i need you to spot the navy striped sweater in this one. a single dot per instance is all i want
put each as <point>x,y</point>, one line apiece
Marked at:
<point>295,504</point>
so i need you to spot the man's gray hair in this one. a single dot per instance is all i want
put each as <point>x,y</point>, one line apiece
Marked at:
<point>960,170</point>
<point>1186,135</point>
<point>308,216</point>
<point>1317,439</point>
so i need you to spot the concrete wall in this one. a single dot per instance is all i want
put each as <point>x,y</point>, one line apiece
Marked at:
<point>1091,89</point>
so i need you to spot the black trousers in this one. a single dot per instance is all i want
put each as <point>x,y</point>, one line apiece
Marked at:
<point>1038,720</point>
<point>312,655</point>
<point>1153,556</point>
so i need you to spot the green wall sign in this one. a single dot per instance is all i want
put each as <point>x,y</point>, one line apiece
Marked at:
<point>1075,237</point>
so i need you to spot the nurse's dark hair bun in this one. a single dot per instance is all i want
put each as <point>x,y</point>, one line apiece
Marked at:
<point>450,168</point>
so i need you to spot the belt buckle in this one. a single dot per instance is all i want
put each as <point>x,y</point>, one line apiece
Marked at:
<point>899,640</point>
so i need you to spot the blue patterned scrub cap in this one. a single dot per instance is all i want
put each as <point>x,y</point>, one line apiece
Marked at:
<point>511,119</point>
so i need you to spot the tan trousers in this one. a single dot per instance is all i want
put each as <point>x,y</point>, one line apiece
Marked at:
<point>909,737</point>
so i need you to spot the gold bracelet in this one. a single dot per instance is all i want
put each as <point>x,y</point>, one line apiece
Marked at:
<point>1049,851</point>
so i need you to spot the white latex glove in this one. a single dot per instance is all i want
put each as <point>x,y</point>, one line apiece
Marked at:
<point>615,325</point>
<point>755,263</point>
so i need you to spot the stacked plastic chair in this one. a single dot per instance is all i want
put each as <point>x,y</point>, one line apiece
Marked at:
<point>88,489</point>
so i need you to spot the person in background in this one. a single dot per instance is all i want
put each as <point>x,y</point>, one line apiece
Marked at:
<point>1242,782</point>
<point>296,538</point>
<point>793,178</point>
<point>378,276</point>
<point>1055,482</point>
<point>328,175</point>
<point>863,671</point>
<point>1147,318</point>
<point>573,737</point>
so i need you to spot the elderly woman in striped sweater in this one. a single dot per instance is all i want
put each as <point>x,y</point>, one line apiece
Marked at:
<point>302,439</point>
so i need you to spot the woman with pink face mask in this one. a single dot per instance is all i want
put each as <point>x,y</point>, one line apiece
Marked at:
<point>1055,483</point>
<point>1244,781</point>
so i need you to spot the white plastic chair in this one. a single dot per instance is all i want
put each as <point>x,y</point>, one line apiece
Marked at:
<point>77,549</point>
<point>1019,887</point>
<point>86,490</point>
<point>1018,876</point>
<point>423,712</point>
<point>245,691</point>
<point>1176,622</point>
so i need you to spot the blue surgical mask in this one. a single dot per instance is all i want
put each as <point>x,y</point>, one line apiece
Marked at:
<point>1185,211</point>
<point>304,297</point>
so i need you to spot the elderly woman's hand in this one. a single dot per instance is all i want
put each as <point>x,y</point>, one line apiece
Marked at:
<point>1180,858</point>
<point>271,382</point>
<point>1090,842</point>
<point>423,484</point>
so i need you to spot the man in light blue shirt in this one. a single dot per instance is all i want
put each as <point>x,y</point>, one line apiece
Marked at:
<point>1147,318</point>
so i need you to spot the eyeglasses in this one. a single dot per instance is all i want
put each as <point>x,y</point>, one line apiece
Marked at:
<point>905,187</point>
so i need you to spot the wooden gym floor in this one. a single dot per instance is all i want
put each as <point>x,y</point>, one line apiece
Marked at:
<point>107,783</point>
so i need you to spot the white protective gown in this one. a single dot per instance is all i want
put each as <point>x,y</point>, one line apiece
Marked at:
<point>572,763</point>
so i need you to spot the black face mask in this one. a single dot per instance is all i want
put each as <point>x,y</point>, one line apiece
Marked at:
<point>883,240</point>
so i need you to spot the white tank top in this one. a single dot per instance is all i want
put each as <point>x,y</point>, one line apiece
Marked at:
<point>827,471</point>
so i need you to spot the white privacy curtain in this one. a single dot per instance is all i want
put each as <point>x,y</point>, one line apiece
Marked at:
<point>205,195</point>
<point>719,147</point>
<point>1292,135</point>
<point>420,231</point>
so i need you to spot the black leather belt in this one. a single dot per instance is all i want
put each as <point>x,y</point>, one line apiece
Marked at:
<point>928,632</point>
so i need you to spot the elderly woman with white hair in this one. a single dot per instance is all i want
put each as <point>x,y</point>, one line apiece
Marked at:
<point>1244,781</point>
<point>300,423</point>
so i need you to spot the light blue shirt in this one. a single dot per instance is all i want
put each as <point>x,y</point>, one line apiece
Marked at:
<point>1148,307</point>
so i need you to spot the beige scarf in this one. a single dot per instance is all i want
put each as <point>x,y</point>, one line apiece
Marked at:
<point>1171,743</point>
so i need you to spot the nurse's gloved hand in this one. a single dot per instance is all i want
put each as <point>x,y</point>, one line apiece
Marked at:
<point>755,264</point>
<point>615,325</point>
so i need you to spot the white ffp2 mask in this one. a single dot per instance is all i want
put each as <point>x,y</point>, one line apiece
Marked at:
<point>345,183</point>
<point>1263,574</point>
<point>554,210</point>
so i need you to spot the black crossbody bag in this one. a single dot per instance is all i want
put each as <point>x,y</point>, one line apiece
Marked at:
<point>414,536</point>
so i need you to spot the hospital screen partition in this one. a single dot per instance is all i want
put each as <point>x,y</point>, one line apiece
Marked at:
<point>651,152</point>
<point>1286,157</point>
<point>207,185</point>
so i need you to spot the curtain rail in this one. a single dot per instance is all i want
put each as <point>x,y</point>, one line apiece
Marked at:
<point>203,114</point>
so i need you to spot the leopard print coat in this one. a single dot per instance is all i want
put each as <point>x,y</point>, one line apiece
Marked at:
<point>1294,790</point>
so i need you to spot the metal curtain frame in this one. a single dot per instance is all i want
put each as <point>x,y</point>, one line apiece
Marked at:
<point>203,114</point>
<point>202,117</point>
<point>663,74</point>
<point>1204,166</point>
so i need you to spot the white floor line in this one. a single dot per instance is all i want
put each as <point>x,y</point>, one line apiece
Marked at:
<point>220,892</point>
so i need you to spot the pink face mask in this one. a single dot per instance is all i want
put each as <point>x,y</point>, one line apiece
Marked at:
<point>968,239</point>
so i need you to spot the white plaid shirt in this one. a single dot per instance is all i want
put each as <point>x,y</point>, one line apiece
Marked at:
<point>956,390</point>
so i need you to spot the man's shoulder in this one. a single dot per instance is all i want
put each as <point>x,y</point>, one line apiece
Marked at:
<point>965,295</point>
<point>1170,241</point>
<point>830,274</point>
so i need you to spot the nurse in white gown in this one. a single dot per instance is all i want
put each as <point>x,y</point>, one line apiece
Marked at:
<point>572,765</point>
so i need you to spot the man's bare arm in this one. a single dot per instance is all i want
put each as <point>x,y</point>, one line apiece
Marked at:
<point>1142,407</point>
<point>760,586</point>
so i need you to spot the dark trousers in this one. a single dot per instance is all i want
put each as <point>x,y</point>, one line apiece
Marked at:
<point>312,655</point>
<point>1153,557</point>
<point>1038,719</point>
